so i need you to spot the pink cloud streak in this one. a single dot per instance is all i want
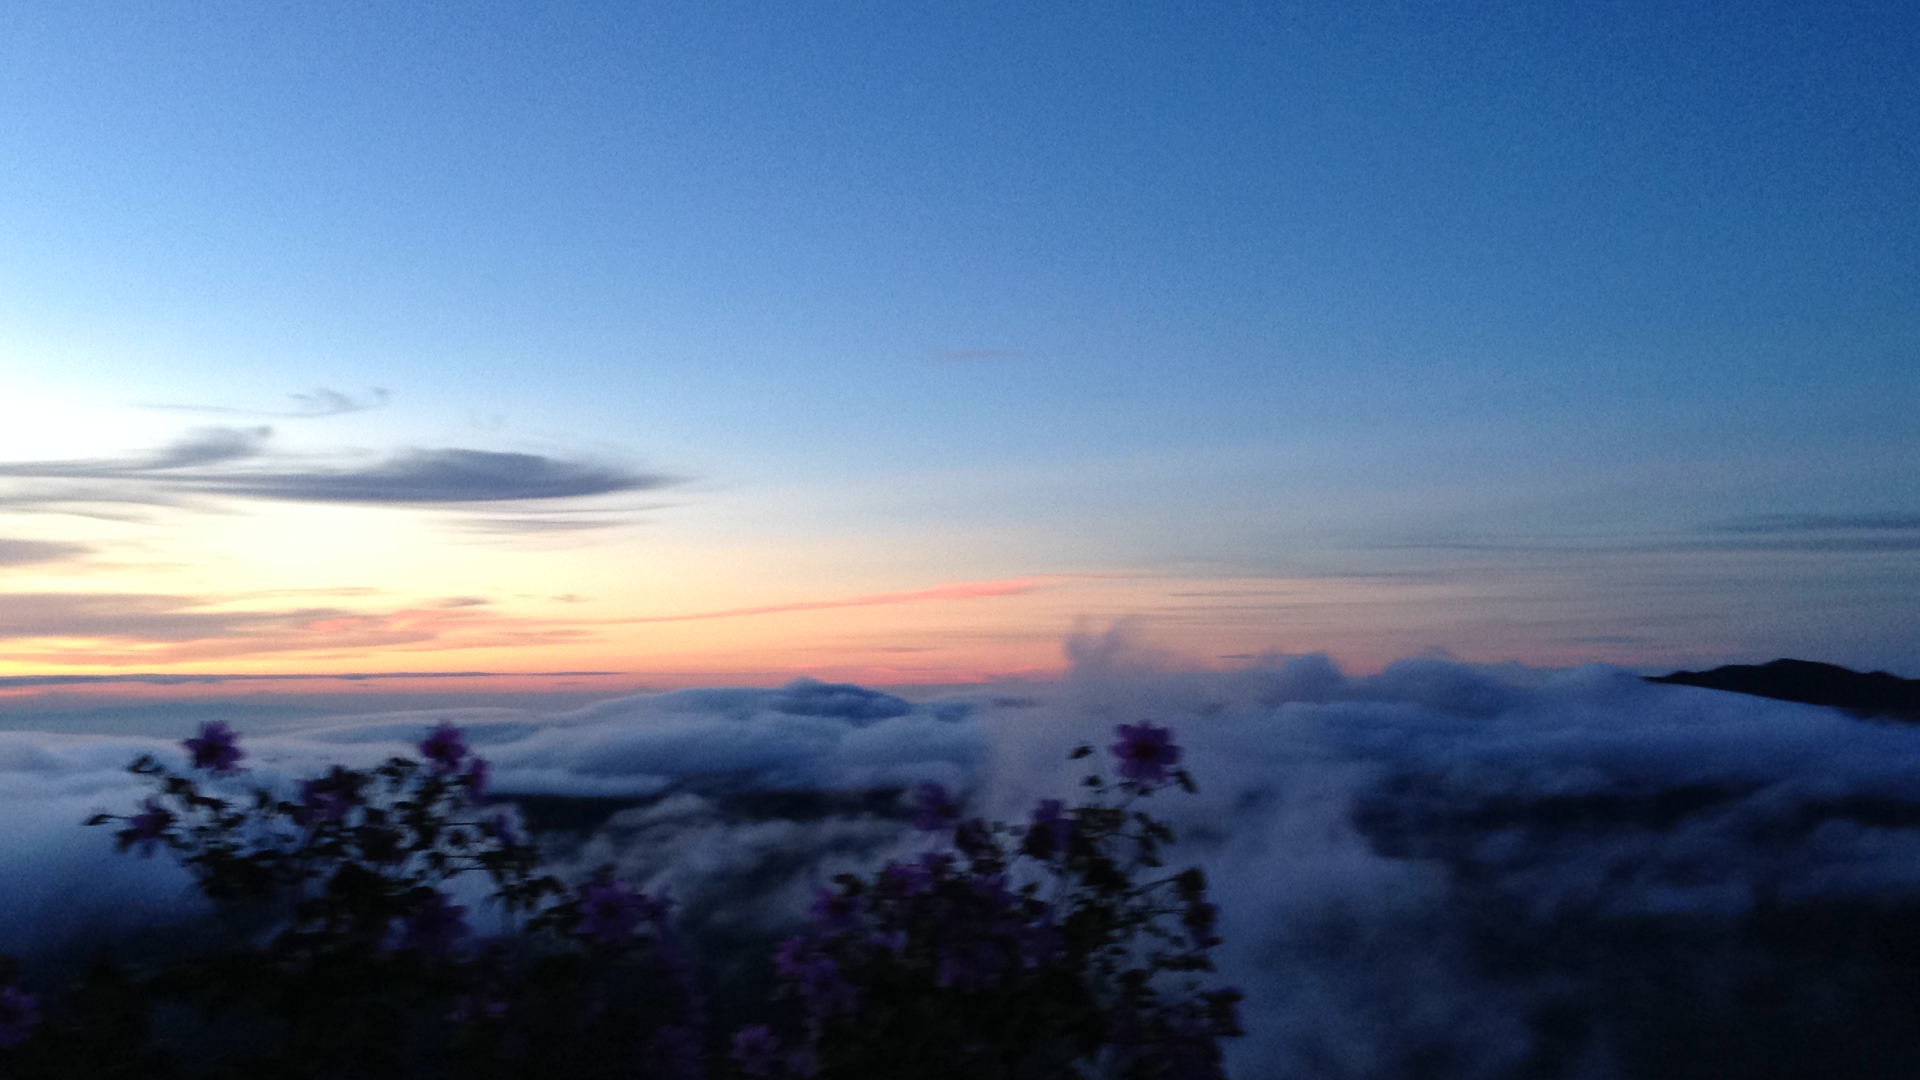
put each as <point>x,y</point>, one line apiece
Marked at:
<point>965,590</point>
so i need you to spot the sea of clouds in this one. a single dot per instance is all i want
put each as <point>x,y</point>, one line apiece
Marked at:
<point>1436,871</point>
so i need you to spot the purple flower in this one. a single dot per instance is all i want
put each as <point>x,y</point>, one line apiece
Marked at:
<point>147,829</point>
<point>756,1050</point>
<point>905,880</point>
<point>434,927</point>
<point>1146,753</point>
<point>500,827</point>
<point>933,808</point>
<point>330,797</point>
<point>611,911</point>
<point>214,749</point>
<point>834,912</point>
<point>475,778</point>
<point>444,747</point>
<point>1049,831</point>
<point>791,956</point>
<point>19,1015</point>
<point>974,839</point>
<point>817,975</point>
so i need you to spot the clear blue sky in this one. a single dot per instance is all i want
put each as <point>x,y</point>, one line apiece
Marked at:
<point>1602,321</point>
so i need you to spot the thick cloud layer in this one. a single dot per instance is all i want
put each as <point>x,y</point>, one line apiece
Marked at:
<point>1435,871</point>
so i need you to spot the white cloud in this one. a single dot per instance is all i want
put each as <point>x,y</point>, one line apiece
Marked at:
<point>1374,842</point>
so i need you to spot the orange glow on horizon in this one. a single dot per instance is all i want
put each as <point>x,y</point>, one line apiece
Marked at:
<point>955,632</point>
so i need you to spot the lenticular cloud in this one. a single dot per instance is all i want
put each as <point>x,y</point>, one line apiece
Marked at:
<point>1433,871</point>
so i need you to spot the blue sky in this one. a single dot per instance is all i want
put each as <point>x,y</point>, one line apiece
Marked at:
<point>1598,322</point>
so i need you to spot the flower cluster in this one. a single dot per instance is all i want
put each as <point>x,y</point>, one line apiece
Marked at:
<point>435,927</point>
<point>1146,753</point>
<point>1040,951</point>
<point>933,808</point>
<point>1050,949</point>
<point>446,749</point>
<point>610,911</point>
<point>19,1015</point>
<point>369,965</point>
<point>359,848</point>
<point>215,749</point>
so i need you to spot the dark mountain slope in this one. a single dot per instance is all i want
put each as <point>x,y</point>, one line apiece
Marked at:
<point>1875,694</point>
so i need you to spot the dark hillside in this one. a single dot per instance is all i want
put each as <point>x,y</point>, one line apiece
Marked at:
<point>1876,694</point>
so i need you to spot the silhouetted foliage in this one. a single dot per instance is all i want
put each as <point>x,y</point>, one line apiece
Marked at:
<point>1050,950</point>
<point>1054,949</point>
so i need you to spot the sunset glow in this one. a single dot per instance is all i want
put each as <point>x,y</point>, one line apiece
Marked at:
<point>698,346</point>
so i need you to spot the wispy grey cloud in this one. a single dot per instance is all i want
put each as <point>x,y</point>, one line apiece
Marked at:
<point>315,403</point>
<point>236,463</point>
<point>138,616</point>
<point>199,447</point>
<point>211,446</point>
<point>101,502</point>
<point>122,629</point>
<point>542,524</point>
<point>321,401</point>
<point>1837,533</point>
<point>164,679</point>
<point>437,476</point>
<point>966,590</point>
<point>1832,543</point>
<point>1837,544</point>
<point>26,552</point>
<point>1798,523</point>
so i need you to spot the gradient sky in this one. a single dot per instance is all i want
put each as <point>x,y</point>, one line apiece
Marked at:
<point>895,341</point>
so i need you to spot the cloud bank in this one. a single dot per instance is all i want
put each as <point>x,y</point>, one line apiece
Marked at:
<point>1433,871</point>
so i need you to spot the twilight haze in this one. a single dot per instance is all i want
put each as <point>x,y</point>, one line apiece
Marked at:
<point>690,343</point>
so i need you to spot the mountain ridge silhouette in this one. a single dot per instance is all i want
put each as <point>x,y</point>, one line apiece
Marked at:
<point>1876,694</point>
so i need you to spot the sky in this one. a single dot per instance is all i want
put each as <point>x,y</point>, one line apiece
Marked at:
<point>587,346</point>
